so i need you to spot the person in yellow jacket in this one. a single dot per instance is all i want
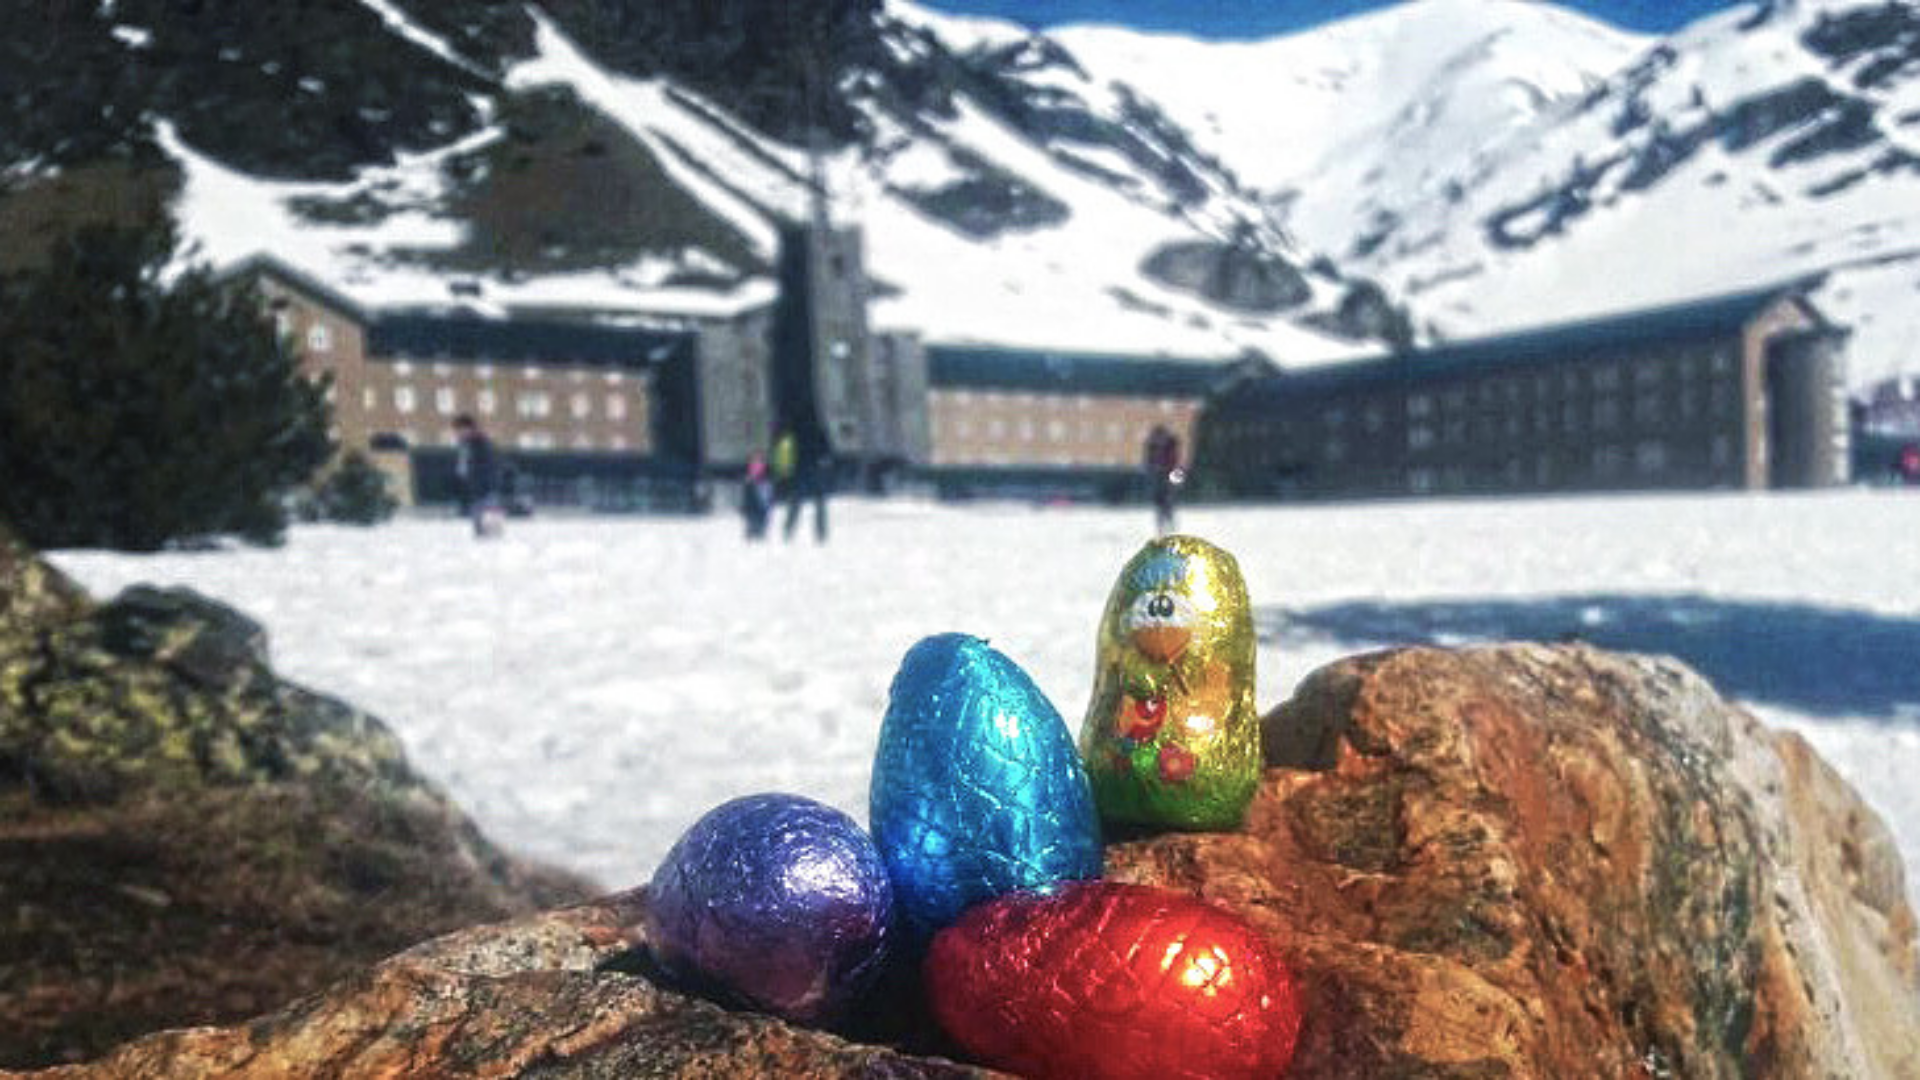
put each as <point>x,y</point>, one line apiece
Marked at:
<point>782,460</point>
<point>802,473</point>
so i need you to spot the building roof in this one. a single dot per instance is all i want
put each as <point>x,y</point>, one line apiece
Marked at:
<point>473,338</point>
<point>292,275</point>
<point>1712,317</point>
<point>993,368</point>
<point>557,297</point>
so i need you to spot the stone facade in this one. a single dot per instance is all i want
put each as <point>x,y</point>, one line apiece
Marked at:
<point>1738,392</point>
<point>567,400</point>
<point>1052,424</point>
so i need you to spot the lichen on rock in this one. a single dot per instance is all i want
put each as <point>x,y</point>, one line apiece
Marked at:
<point>185,838</point>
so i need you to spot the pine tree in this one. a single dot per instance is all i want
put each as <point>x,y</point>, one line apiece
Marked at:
<point>135,411</point>
<point>356,493</point>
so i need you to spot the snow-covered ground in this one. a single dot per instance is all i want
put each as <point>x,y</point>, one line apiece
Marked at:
<point>587,687</point>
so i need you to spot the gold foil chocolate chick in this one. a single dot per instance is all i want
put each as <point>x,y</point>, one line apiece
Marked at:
<point>1172,736</point>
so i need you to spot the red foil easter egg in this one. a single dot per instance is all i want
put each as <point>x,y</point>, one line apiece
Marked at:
<point>1107,981</point>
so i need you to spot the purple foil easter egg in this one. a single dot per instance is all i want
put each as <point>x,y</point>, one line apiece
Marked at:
<point>777,901</point>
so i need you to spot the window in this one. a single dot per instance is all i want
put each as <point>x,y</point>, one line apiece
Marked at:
<point>1419,405</point>
<point>582,405</point>
<point>1606,413</point>
<point>1648,408</point>
<point>445,400</point>
<point>368,399</point>
<point>531,371</point>
<point>485,402</point>
<point>1650,457</point>
<point>403,368</point>
<point>618,442</point>
<point>283,323</point>
<point>1606,378</point>
<point>1419,437</point>
<point>616,407</point>
<point>319,338</point>
<point>1026,430</point>
<point>403,399</point>
<point>1057,430</point>
<point>443,369</point>
<point>535,440</point>
<point>614,378</point>
<point>534,405</point>
<point>1374,419</point>
<point>484,371</point>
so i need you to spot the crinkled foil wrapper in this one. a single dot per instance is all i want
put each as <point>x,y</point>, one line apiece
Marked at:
<point>977,788</point>
<point>1172,735</point>
<point>1110,981</point>
<point>776,902</point>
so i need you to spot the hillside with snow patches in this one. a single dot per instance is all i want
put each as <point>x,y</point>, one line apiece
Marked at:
<point>1005,196</point>
<point>1767,142</point>
<point>1470,165</point>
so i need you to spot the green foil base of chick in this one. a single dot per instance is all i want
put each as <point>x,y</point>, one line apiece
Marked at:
<point>1172,737</point>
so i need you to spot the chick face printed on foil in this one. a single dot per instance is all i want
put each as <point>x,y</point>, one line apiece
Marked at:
<point>1172,736</point>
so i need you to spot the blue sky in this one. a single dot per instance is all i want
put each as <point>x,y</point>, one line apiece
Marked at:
<point>1261,18</point>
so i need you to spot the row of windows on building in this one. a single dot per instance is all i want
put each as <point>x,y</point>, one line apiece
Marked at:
<point>527,404</point>
<point>1035,401</point>
<point>1645,385</point>
<point>486,372</point>
<point>525,440</point>
<point>1648,459</point>
<point>1455,425</point>
<point>320,340</point>
<point>1030,430</point>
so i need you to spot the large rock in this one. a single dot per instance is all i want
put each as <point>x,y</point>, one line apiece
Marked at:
<point>1519,861</point>
<point>531,998</point>
<point>185,838</point>
<point>1533,861</point>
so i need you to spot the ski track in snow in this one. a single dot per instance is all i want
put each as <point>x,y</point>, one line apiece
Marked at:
<point>587,687</point>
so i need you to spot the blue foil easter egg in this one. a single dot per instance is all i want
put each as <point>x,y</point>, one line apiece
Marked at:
<point>977,787</point>
<point>779,902</point>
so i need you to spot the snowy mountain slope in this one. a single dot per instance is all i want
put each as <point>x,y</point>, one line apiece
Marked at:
<point>575,154</point>
<point>1759,144</point>
<point>1324,117</point>
<point>1066,274</point>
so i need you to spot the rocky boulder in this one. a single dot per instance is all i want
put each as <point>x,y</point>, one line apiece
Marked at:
<point>187,838</point>
<point>1515,861</point>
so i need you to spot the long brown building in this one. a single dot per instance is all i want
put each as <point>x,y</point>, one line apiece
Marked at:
<point>1049,424</point>
<point>1742,391</point>
<point>584,412</point>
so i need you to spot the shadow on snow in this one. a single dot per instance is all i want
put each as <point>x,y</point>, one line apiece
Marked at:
<point>1819,660</point>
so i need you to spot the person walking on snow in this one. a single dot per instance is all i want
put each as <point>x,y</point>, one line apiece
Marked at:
<point>476,469</point>
<point>1161,459</point>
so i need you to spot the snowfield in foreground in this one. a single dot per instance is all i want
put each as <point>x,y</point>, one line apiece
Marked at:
<point>587,687</point>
